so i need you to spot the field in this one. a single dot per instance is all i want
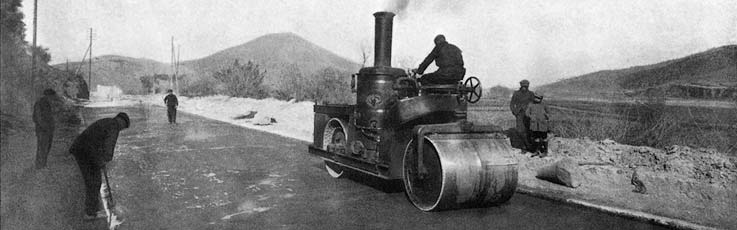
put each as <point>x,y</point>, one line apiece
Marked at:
<point>650,123</point>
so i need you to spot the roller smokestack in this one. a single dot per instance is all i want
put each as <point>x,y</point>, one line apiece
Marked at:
<point>383,39</point>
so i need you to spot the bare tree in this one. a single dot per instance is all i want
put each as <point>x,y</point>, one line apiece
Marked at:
<point>366,52</point>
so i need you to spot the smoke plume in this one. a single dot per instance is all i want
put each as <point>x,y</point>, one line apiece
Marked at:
<point>399,7</point>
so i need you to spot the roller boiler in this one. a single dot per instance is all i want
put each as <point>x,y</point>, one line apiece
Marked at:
<point>399,129</point>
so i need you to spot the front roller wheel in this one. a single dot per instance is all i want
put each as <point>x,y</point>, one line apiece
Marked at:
<point>422,188</point>
<point>463,171</point>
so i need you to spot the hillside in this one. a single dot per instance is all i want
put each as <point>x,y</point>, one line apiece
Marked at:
<point>118,70</point>
<point>279,54</point>
<point>711,74</point>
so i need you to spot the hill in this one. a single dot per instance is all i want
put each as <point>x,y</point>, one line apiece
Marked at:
<point>119,70</point>
<point>279,54</point>
<point>711,74</point>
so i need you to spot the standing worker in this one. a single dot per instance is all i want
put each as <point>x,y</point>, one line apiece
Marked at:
<point>93,149</point>
<point>171,106</point>
<point>43,118</point>
<point>520,99</point>
<point>449,60</point>
<point>539,117</point>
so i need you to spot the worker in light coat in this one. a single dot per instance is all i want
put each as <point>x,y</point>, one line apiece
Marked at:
<point>539,116</point>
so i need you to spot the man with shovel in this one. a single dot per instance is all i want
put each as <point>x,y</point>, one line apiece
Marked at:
<point>93,149</point>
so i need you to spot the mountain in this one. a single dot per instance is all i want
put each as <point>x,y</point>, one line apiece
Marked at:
<point>121,71</point>
<point>711,74</point>
<point>279,54</point>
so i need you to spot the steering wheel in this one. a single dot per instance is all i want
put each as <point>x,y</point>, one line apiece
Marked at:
<point>473,89</point>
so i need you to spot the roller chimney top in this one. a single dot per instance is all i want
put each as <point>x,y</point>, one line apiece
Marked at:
<point>383,39</point>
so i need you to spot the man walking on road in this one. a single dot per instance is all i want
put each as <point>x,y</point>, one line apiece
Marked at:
<point>171,106</point>
<point>93,149</point>
<point>520,99</point>
<point>43,117</point>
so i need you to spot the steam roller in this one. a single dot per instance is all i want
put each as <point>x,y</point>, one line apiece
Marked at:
<point>401,130</point>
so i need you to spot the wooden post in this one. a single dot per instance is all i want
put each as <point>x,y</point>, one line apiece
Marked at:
<point>89,76</point>
<point>33,49</point>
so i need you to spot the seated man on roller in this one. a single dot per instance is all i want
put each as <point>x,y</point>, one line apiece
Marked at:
<point>449,60</point>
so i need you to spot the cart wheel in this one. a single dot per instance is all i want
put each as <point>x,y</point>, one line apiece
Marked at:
<point>334,170</point>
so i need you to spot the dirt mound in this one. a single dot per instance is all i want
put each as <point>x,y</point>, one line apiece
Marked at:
<point>693,184</point>
<point>701,164</point>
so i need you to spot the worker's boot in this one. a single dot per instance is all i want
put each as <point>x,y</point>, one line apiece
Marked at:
<point>544,148</point>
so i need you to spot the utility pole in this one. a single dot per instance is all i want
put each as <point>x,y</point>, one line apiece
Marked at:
<point>89,77</point>
<point>171,77</point>
<point>33,49</point>
<point>176,72</point>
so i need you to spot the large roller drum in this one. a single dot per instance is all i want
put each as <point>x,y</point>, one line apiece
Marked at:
<point>468,170</point>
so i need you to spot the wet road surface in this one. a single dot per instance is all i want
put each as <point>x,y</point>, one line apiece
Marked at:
<point>206,174</point>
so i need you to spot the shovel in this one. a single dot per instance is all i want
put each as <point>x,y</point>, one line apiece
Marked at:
<point>109,203</point>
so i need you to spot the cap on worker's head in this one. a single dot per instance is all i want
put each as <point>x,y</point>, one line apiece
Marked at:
<point>439,39</point>
<point>524,83</point>
<point>49,92</point>
<point>125,118</point>
<point>539,95</point>
<point>169,90</point>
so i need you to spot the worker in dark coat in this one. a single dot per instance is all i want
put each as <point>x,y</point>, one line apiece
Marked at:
<point>520,99</point>
<point>171,106</point>
<point>539,117</point>
<point>93,149</point>
<point>43,118</point>
<point>449,60</point>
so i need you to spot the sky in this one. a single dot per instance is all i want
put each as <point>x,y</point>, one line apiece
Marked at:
<point>503,41</point>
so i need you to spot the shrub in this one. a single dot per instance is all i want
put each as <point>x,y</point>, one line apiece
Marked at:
<point>200,87</point>
<point>328,85</point>
<point>242,80</point>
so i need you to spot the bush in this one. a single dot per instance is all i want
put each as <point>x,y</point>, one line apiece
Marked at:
<point>330,86</point>
<point>242,80</point>
<point>326,86</point>
<point>200,87</point>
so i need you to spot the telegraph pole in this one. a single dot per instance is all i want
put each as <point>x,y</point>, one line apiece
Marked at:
<point>171,77</point>
<point>176,72</point>
<point>33,49</point>
<point>89,76</point>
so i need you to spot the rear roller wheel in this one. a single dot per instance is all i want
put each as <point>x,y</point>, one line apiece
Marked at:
<point>334,170</point>
<point>334,136</point>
